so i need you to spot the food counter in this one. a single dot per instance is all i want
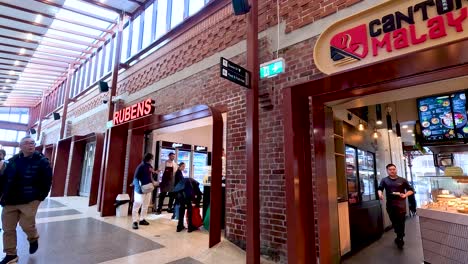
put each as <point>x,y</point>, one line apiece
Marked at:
<point>444,235</point>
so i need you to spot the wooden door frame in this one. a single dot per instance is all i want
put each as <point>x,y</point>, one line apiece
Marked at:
<point>304,111</point>
<point>133,133</point>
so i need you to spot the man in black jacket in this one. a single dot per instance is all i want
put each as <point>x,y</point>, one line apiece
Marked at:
<point>25,183</point>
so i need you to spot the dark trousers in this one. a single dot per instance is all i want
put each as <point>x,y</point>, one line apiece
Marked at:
<point>184,204</point>
<point>398,217</point>
<point>162,196</point>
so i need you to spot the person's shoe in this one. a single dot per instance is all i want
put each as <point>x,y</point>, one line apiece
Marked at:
<point>135,225</point>
<point>158,212</point>
<point>180,228</point>
<point>33,246</point>
<point>170,210</point>
<point>9,259</point>
<point>399,242</point>
<point>144,222</point>
<point>192,228</point>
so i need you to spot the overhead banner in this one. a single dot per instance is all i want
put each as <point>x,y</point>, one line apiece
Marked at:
<point>392,29</point>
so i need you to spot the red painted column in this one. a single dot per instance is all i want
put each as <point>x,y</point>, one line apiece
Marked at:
<point>66,100</point>
<point>41,113</point>
<point>115,71</point>
<point>253,199</point>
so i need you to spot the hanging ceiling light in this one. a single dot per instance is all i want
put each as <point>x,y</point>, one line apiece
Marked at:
<point>397,126</point>
<point>378,114</point>
<point>375,134</point>
<point>389,122</point>
<point>361,126</point>
<point>398,131</point>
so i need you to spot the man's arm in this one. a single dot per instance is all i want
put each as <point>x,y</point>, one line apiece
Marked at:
<point>409,190</point>
<point>46,179</point>
<point>381,188</point>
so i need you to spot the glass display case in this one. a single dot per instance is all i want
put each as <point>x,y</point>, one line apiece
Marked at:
<point>360,175</point>
<point>445,193</point>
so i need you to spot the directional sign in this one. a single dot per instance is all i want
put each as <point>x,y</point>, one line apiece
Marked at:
<point>235,73</point>
<point>272,68</point>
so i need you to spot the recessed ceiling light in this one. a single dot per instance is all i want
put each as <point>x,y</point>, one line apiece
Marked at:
<point>17,62</point>
<point>409,131</point>
<point>404,126</point>
<point>22,51</point>
<point>29,36</point>
<point>38,18</point>
<point>413,135</point>
<point>11,72</point>
<point>8,80</point>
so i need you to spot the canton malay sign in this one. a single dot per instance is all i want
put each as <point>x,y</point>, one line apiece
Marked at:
<point>392,29</point>
<point>136,111</point>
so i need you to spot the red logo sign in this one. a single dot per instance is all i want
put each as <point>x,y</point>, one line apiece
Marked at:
<point>350,45</point>
<point>133,112</point>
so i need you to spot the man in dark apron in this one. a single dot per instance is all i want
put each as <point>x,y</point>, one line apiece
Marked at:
<point>167,184</point>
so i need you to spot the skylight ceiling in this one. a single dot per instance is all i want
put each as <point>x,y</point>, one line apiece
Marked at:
<point>41,39</point>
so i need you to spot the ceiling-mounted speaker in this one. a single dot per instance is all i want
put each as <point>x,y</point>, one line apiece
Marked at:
<point>241,7</point>
<point>33,131</point>
<point>56,116</point>
<point>103,87</point>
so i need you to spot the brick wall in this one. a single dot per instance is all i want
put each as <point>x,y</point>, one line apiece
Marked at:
<point>206,87</point>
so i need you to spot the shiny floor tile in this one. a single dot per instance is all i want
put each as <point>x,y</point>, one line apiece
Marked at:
<point>48,203</point>
<point>185,261</point>
<point>82,241</point>
<point>57,213</point>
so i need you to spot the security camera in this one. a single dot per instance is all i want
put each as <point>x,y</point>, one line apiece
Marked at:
<point>104,101</point>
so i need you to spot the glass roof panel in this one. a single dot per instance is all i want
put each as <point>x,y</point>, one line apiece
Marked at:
<point>85,19</point>
<point>91,8</point>
<point>73,27</point>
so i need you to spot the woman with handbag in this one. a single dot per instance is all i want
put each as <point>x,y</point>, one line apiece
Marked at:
<point>143,184</point>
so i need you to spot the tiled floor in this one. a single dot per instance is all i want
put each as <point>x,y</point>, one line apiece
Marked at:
<point>384,250</point>
<point>73,233</point>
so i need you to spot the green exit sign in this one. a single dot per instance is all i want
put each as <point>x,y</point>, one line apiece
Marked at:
<point>272,68</point>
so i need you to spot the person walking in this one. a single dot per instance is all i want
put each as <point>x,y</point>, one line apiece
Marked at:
<point>397,189</point>
<point>25,182</point>
<point>167,184</point>
<point>3,162</point>
<point>143,185</point>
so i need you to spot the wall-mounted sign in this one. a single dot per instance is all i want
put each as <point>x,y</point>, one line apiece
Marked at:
<point>394,28</point>
<point>201,148</point>
<point>175,145</point>
<point>139,110</point>
<point>272,68</point>
<point>234,73</point>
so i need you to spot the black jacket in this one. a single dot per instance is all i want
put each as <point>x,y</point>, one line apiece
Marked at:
<point>25,179</point>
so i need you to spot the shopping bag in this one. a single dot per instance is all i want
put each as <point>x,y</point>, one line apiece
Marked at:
<point>196,217</point>
<point>206,222</point>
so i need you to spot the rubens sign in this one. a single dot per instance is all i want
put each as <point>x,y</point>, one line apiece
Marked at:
<point>394,28</point>
<point>139,110</point>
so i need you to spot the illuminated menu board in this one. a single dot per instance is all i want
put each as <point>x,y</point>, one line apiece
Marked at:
<point>436,115</point>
